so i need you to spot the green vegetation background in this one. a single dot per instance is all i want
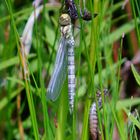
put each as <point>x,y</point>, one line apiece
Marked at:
<point>102,49</point>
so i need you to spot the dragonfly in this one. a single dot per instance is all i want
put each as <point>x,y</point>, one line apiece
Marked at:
<point>71,8</point>
<point>93,116</point>
<point>64,64</point>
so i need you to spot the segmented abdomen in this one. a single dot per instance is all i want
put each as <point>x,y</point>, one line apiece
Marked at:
<point>93,117</point>
<point>71,76</point>
<point>93,121</point>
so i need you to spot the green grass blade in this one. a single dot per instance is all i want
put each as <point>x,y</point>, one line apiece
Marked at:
<point>114,36</point>
<point>136,75</point>
<point>62,113</point>
<point>127,103</point>
<point>6,100</point>
<point>12,61</point>
<point>132,118</point>
<point>27,81</point>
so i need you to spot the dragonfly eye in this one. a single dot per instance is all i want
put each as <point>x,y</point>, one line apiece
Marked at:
<point>64,20</point>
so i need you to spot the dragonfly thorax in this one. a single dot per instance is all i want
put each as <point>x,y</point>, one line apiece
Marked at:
<point>66,31</point>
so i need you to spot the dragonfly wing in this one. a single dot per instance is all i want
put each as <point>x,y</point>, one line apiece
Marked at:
<point>59,73</point>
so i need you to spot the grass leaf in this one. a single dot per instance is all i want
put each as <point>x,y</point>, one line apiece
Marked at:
<point>135,73</point>
<point>12,61</point>
<point>6,99</point>
<point>127,103</point>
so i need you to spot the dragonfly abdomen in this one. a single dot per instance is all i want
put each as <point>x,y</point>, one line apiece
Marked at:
<point>71,76</point>
<point>93,121</point>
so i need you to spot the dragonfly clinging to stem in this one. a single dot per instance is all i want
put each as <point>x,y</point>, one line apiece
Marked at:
<point>93,116</point>
<point>64,63</point>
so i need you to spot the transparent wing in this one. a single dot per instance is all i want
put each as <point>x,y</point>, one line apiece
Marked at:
<point>59,73</point>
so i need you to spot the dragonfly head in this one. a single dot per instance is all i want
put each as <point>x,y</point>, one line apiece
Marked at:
<point>64,20</point>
